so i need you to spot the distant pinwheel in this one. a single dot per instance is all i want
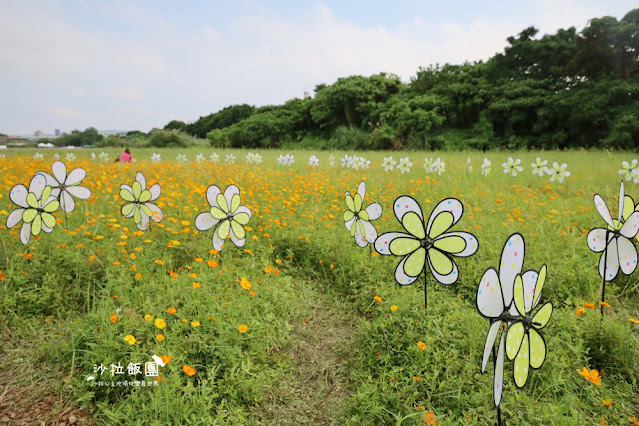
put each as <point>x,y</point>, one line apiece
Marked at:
<point>138,202</point>
<point>358,220</point>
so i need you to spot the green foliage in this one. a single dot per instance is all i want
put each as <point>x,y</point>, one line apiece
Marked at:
<point>89,136</point>
<point>167,139</point>
<point>219,120</point>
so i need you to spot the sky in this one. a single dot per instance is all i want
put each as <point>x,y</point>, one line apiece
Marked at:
<point>136,65</point>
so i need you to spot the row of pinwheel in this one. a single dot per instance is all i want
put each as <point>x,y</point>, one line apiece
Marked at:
<point>49,192</point>
<point>508,296</point>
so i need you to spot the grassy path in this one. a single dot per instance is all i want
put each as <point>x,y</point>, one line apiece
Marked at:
<point>318,383</point>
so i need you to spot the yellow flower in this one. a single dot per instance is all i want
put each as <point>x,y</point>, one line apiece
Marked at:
<point>378,299</point>
<point>421,345</point>
<point>393,308</point>
<point>195,323</point>
<point>138,276</point>
<point>160,337</point>
<point>148,317</point>
<point>129,339</point>
<point>197,285</point>
<point>158,262</point>
<point>160,323</point>
<point>605,304</point>
<point>243,328</point>
<point>580,311</point>
<point>634,320</point>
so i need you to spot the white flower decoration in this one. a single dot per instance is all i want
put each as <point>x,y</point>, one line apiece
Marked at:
<point>138,202</point>
<point>485,167</point>
<point>64,187</point>
<point>199,158</point>
<point>358,220</point>
<point>313,161</point>
<point>558,172</point>
<point>539,167</point>
<point>286,160</point>
<point>331,160</point>
<point>181,158</point>
<point>104,157</point>
<point>439,166</point>
<point>215,157</point>
<point>512,167</point>
<point>230,158</point>
<point>70,156</point>
<point>156,158</point>
<point>404,165</point>
<point>628,170</point>
<point>56,156</point>
<point>38,156</point>
<point>36,206</point>
<point>226,215</point>
<point>389,164</point>
<point>469,165</point>
<point>346,160</point>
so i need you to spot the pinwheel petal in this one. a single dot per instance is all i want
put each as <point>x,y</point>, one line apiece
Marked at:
<point>414,224</point>
<point>405,204</point>
<point>79,192</point>
<point>529,279</point>
<point>361,190</point>
<point>449,243</point>
<point>402,246</point>
<point>59,170</point>
<point>243,210</point>
<point>221,201</point>
<point>144,219</point>
<point>541,318</point>
<point>498,383</point>
<point>25,233</point>
<point>518,295</point>
<point>348,215</point>
<point>450,205</point>
<point>440,262</point>
<point>223,229</point>
<point>622,197</point>
<point>155,191</point>
<point>127,209</point>
<point>139,177</point>
<point>229,193</point>
<point>205,221</point>
<point>75,177</point>
<point>145,196</point>
<point>36,225</point>
<point>37,185</point>
<point>18,195</point>
<point>137,189</point>
<point>238,230</point>
<point>211,195</point>
<point>514,337</point>
<point>631,227</point>
<point>14,218</point>
<point>539,285</point>
<point>442,223</point>
<point>350,203</point>
<point>490,343</point>
<point>28,215</point>
<point>490,301</point>
<point>522,363</point>
<point>359,237</point>
<point>512,260</point>
<point>48,221</point>
<point>384,241</point>
<point>401,276</point>
<point>66,202</point>
<point>349,223</point>
<point>156,213</point>
<point>627,255</point>
<point>597,239</point>
<point>239,242</point>
<point>357,202</point>
<point>537,349</point>
<point>603,210</point>
<point>371,232</point>
<point>218,243</point>
<point>127,194</point>
<point>51,181</point>
<point>628,207</point>
<point>374,211</point>
<point>611,265</point>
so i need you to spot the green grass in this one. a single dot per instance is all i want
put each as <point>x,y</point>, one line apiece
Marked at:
<point>319,348</point>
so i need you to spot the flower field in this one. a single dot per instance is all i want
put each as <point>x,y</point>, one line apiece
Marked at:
<point>301,325</point>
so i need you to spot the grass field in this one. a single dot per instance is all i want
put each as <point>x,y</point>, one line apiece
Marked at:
<point>301,326</point>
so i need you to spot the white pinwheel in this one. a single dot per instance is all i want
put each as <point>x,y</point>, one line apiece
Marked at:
<point>331,160</point>
<point>35,208</point>
<point>427,242</point>
<point>629,171</point>
<point>539,167</point>
<point>138,202</point>
<point>512,167</point>
<point>404,165</point>
<point>558,172</point>
<point>313,161</point>
<point>226,215</point>
<point>358,220</point>
<point>485,167</point>
<point>65,187</point>
<point>615,241</point>
<point>389,164</point>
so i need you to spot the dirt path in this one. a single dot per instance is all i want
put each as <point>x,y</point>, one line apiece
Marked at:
<point>318,384</point>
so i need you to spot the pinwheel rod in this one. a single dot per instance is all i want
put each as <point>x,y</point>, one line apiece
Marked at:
<point>603,280</point>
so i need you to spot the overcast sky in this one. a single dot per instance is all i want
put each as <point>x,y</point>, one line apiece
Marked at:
<point>125,65</point>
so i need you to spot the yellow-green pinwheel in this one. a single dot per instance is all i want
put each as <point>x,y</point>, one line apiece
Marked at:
<point>138,202</point>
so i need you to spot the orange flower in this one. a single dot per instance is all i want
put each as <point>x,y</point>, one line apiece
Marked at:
<point>605,304</point>
<point>158,262</point>
<point>268,269</point>
<point>212,263</point>
<point>190,371</point>
<point>589,305</point>
<point>592,375</point>
<point>165,359</point>
<point>160,337</point>
<point>197,285</point>
<point>580,311</point>
<point>378,299</point>
<point>171,311</point>
<point>246,285</point>
<point>430,417</point>
<point>608,403</point>
<point>28,256</point>
<point>92,258</point>
<point>421,345</point>
<point>114,318</point>
<point>138,276</point>
<point>198,259</point>
<point>243,328</point>
<point>634,320</point>
<point>634,421</point>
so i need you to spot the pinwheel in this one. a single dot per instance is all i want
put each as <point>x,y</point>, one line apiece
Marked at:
<point>615,241</point>
<point>65,187</point>
<point>226,216</point>
<point>35,208</point>
<point>138,202</point>
<point>358,220</point>
<point>427,241</point>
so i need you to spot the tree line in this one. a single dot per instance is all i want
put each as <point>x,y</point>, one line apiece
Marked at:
<point>564,90</point>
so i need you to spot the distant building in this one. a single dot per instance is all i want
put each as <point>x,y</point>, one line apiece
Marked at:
<point>38,134</point>
<point>58,132</point>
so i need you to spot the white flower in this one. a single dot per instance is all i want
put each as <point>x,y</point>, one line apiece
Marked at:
<point>313,161</point>
<point>439,166</point>
<point>156,158</point>
<point>38,156</point>
<point>512,167</point>
<point>469,166</point>
<point>215,157</point>
<point>64,187</point>
<point>558,172</point>
<point>70,156</point>
<point>36,206</point>
<point>286,160</point>
<point>57,156</point>
<point>539,167</point>
<point>93,156</point>
<point>199,158</point>
<point>104,157</point>
<point>138,202</point>
<point>404,165</point>
<point>627,170</point>
<point>485,167</point>
<point>389,164</point>
<point>331,160</point>
<point>181,158</point>
<point>230,159</point>
<point>428,164</point>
